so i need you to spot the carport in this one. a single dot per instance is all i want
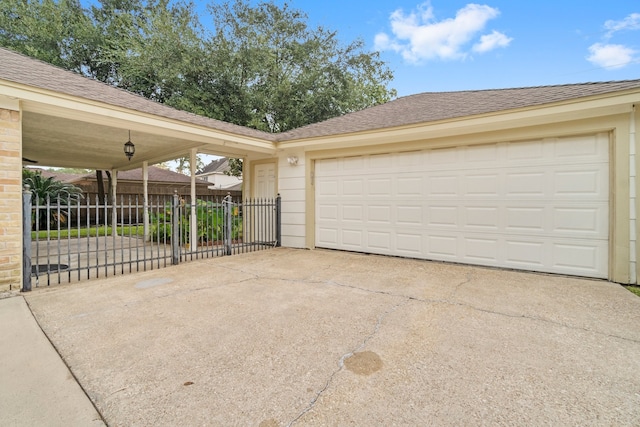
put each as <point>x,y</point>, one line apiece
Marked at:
<point>53,117</point>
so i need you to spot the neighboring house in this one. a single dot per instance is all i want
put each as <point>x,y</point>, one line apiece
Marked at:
<point>216,173</point>
<point>161,182</point>
<point>539,178</point>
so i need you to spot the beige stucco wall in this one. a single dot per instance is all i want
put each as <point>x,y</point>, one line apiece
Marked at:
<point>10,197</point>
<point>617,125</point>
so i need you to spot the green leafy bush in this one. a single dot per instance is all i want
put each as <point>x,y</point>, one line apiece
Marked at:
<point>209,221</point>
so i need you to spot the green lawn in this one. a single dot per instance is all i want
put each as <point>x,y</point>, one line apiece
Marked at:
<point>126,230</point>
<point>634,289</point>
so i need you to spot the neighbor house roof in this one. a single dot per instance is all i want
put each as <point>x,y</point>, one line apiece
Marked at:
<point>58,176</point>
<point>156,175</point>
<point>219,165</point>
<point>437,106</point>
<point>22,69</point>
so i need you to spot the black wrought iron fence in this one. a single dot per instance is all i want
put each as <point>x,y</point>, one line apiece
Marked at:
<point>69,240</point>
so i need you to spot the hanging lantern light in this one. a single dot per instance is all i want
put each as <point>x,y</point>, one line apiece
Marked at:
<point>129,148</point>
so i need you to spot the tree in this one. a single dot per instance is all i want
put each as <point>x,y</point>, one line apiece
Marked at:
<point>268,70</point>
<point>56,32</point>
<point>260,66</point>
<point>272,72</point>
<point>184,164</point>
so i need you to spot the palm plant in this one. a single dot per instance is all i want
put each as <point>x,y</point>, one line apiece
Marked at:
<point>49,191</point>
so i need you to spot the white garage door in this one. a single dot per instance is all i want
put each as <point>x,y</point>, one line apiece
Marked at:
<point>538,205</point>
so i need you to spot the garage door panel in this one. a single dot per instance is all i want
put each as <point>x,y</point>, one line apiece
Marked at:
<point>581,148</point>
<point>442,157</point>
<point>442,247</point>
<point>351,238</point>
<point>583,221</point>
<point>482,185</point>
<point>409,186</point>
<point>592,182</point>
<point>525,219</point>
<point>379,240</point>
<point>409,215</point>
<point>379,161</point>
<point>327,188</point>
<point>528,184</point>
<point>327,237</point>
<point>540,205</point>
<point>379,214</point>
<point>580,258</point>
<point>352,187</point>
<point>443,185</point>
<point>409,244</point>
<point>352,164</point>
<point>525,253</point>
<point>488,154</point>
<point>328,212</point>
<point>443,216</point>
<point>352,213</point>
<point>408,160</point>
<point>379,187</point>
<point>481,249</point>
<point>482,217</point>
<point>526,150</point>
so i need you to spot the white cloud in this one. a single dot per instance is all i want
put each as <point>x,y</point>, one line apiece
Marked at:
<point>631,22</point>
<point>419,36</point>
<point>610,55</point>
<point>491,41</point>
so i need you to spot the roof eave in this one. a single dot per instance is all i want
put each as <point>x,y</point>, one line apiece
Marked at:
<point>573,109</point>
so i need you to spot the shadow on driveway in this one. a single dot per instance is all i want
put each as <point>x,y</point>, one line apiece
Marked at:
<point>294,337</point>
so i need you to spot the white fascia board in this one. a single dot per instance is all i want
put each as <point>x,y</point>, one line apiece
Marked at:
<point>468,125</point>
<point>69,107</point>
<point>9,103</point>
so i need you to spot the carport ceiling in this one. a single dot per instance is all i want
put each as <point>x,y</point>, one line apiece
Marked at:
<point>63,142</point>
<point>55,141</point>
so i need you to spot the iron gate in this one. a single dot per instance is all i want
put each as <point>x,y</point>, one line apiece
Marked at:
<point>68,240</point>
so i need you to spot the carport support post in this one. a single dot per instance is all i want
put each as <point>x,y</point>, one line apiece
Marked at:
<point>26,239</point>
<point>145,201</point>
<point>114,204</point>
<point>175,230</point>
<point>278,221</point>
<point>227,205</point>
<point>193,221</point>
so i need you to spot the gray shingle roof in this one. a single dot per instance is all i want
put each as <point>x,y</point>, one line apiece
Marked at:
<point>408,110</point>
<point>156,174</point>
<point>22,69</point>
<point>218,165</point>
<point>436,106</point>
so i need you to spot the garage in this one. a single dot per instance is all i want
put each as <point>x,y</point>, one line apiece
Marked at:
<point>537,205</point>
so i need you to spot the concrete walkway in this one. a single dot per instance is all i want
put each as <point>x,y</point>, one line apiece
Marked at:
<point>36,388</point>
<point>318,338</point>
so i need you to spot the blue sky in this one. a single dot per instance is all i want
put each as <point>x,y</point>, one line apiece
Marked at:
<point>445,45</point>
<point>451,45</point>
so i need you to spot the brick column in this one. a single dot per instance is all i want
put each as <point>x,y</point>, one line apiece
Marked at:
<point>10,199</point>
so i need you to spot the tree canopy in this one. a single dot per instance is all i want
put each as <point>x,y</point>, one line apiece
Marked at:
<point>260,66</point>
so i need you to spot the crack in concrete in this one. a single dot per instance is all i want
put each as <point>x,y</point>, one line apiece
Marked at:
<point>483,310</point>
<point>345,356</point>
<point>447,301</point>
<point>457,287</point>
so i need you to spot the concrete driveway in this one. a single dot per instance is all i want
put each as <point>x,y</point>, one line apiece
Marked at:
<point>310,338</point>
